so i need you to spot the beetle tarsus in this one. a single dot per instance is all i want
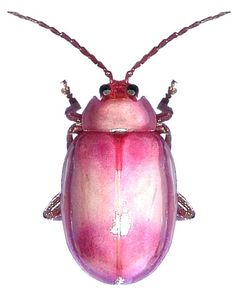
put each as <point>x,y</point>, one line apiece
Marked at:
<point>53,210</point>
<point>185,210</point>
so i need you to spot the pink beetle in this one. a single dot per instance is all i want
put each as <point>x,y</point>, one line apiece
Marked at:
<point>119,201</point>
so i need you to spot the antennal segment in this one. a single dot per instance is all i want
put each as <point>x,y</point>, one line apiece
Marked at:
<point>63,35</point>
<point>168,39</point>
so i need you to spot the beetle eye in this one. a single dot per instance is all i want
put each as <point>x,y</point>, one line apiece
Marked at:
<point>132,90</point>
<point>104,90</point>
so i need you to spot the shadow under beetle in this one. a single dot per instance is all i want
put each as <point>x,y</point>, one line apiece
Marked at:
<point>118,200</point>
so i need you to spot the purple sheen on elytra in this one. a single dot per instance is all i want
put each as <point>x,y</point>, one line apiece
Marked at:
<point>119,203</point>
<point>123,113</point>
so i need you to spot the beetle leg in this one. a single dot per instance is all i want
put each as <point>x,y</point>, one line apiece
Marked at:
<point>164,129</point>
<point>74,129</point>
<point>185,210</point>
<point>166,111</point>
<point>71,111</point>
<point>53,210</point>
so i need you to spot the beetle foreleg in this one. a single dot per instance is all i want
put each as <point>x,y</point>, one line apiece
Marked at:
<point>166,111</point>
<point>71,111</point>
<point>185,210</point>
<point>164,129</point>
<point>53,210</point>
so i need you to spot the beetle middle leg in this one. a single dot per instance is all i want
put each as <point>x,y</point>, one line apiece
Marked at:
<point>53,210</point>
<point>164,129</point>
<point>184,210</point>
<point>73,130</point>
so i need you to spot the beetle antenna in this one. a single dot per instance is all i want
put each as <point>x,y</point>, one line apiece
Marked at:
<point>63,35</point>
<point>168,39</point>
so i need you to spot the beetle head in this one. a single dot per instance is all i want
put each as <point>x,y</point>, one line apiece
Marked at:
<point>118,90</point>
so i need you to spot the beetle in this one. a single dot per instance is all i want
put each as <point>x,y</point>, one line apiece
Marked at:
<point>119,200</point>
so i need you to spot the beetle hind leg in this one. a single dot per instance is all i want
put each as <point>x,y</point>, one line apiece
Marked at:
<point>184,210</point>
<point>53,210</point>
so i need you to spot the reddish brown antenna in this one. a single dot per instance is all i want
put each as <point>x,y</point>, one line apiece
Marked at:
<point>63,35</point>
<point>167,40</point>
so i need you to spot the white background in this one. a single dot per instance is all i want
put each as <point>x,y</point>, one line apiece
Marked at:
<point>34,259</point>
